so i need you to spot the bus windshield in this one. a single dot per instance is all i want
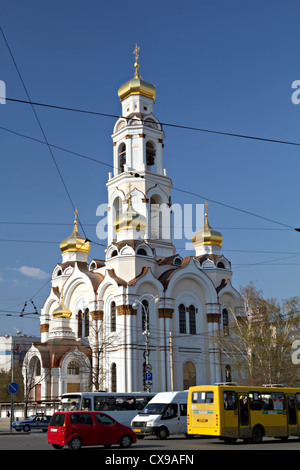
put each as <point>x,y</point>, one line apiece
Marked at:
<point>70,403</point>
<point>153,409</point>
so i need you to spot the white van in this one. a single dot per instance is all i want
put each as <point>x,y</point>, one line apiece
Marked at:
<point>164,414</point>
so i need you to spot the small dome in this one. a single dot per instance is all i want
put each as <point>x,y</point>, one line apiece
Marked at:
<point>207,235</point>
<point>62,311</point>
<point>75,242</point>
<point>137,86</point>
<point>131,220</point>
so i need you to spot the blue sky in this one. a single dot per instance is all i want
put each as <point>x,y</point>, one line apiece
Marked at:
<point>219,65</point>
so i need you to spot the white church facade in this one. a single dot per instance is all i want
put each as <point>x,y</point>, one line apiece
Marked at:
<point>144,307</point>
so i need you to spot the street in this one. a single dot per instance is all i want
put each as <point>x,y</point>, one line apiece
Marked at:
<point>37,441</point>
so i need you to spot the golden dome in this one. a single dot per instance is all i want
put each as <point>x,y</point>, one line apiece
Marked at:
<point>207,235</point>
<point>137,86</point>
<point>62,311</point>
<point>75,242</point>
<point>131,220</point>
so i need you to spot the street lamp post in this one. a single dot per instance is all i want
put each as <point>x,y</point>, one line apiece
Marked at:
<point>146,331</point>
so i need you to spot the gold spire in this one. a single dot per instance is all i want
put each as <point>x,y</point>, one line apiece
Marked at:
<point>136,64</point>
<point>137,86</point>
<point>207,235</point>
<point>62,311</point>
<point>75,242</point>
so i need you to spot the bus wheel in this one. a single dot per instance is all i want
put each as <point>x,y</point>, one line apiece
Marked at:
<point>257,434</point>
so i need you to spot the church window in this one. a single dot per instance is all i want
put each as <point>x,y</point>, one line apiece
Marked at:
<point>142,251</point>
<point>145,315</point>
<point>182,319</point>
<point>228,373</point>
<point>122,157</point>
<point>73,368</point>
<point>156,217</point>
<point>225,321</point>
<point>113,317</point>
<point>221,265</point>
<point>150,153</point>
<point>113,371</point>
<point>189,375</point>
<point>79,324</point>
<point>86,322</point>
<point>192,320</point>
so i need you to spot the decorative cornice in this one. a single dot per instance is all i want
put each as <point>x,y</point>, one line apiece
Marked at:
<point>125,310</point>
<point>44,328</point>
<point>213,317</point>
<point>165,312</point>
<point>97,315</point>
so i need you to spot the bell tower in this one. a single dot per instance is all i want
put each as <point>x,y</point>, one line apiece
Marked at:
<point>138,142</point>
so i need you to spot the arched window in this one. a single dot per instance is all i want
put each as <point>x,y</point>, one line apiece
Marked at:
<point>189,375</point>
<point>113,317</point>
<point>141,251</point>
<point>182,319</point>
<point>225,321</point>
<point>79,324</point>
<point>86,322</point>
<point>150,154</point>
<point>113,372</point>
<point>145,315</point>
<point>73,368</point>
<point>156,217</point>
<point>192,320</point>
<point>228,373</point>
<point>122,157</point>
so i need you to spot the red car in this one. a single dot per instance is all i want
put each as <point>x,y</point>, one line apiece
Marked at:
<point>87,428</point>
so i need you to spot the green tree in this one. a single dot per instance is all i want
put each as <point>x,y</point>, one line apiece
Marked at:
<point>258,345</point>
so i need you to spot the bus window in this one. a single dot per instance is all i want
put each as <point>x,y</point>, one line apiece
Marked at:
<point>125,403</point>
<point>203,397</point>
<point>183,409</point>
<point>141,402</point>
<point>86,404</point>
<point>229,400</point>
<point>273,401</point>
<point>298,400</point>
<point>104,403</point>
<point>255,401</point>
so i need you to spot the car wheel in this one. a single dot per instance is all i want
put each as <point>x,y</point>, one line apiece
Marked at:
<point>57,446</point>
<point>125,441</point>
<point>26,428</point>
<point>75,443</point>
<point>162,433</point>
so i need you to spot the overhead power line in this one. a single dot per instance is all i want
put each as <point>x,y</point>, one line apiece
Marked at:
<point>203,197</point>
<point>178,126</point>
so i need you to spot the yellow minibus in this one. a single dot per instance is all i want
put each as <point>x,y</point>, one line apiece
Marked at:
<point>232,412</point>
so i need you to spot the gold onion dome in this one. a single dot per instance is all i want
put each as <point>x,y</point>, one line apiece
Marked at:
<point>137,86</point>
<point>62,311</point>
<point>75,242</point>
<point>131,220</point>
<point>207,235</point>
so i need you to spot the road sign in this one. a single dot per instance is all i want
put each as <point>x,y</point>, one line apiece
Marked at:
<point>13,387</point>
<point>148,376</point>
<point>148,368</point>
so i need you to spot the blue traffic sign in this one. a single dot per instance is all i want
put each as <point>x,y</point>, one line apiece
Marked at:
<point>148,376</point>
<point>13,387</point>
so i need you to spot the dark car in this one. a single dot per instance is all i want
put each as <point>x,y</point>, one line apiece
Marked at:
<point>87,428</point>
<point>38,421</point>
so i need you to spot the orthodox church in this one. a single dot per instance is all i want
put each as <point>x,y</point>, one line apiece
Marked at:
<point>143,308</point>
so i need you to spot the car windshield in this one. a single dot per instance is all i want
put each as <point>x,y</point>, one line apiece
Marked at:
<point>153,409</point>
